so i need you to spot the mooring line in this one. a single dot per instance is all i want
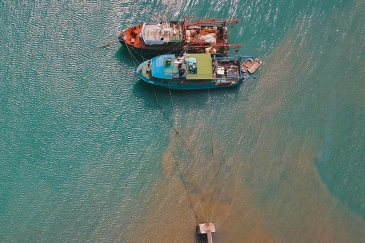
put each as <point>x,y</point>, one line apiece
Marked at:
<point>108,44</point>
<point>164,114</point>
<point>186,189</point>
<point>177,132</point>
<point>177,163</point>
<point>172,125</point>
<point>215,184</point>
<point>219,167</point>
<point>205,219</point>
<point>134,59</point>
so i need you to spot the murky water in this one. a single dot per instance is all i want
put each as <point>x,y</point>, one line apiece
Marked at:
<point>88,155</point>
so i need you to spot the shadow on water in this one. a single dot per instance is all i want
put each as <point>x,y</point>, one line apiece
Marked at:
<point>124,56</point>
<point>201,238</point>
<point>151,94</point>
<point>124,53</point>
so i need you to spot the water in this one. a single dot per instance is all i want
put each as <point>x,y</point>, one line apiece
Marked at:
<point>88,155</point>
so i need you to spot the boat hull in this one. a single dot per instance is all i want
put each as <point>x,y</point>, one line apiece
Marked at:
<point>185,84</point>
<point>193,71</point>
<point>151,51</point>
<point>191,35</point>
<point>182,86</point>
<point>162,50</point>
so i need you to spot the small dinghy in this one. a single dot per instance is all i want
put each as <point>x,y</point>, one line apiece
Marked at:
<point>256,64</point>
<point>246,65</point>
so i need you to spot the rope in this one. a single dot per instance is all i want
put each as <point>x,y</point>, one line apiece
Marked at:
<point>141,55</point>
<point>177,132</point>
<point>177,163</point>
<point>108,44</point>
<point>219,167</point>
<point>215,183</point>
<point>205,219</point>
<point>187,192</point>
<point>164,114</point>
<point>172,104</point>
<point>133,57</point>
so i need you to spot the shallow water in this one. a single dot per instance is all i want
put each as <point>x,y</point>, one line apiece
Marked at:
<point>89,155</point>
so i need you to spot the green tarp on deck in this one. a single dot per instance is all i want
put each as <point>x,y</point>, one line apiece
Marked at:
<point>203,66</point>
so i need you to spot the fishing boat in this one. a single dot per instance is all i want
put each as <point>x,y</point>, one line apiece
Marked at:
<point>194,35</point>
<point>193,71</point>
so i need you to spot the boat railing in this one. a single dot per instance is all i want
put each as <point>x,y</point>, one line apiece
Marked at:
<point>228,79</point>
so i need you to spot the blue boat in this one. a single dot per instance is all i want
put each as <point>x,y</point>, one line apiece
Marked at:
<point>193,71</point>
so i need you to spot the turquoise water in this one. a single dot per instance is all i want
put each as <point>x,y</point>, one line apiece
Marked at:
<point>87,153</point>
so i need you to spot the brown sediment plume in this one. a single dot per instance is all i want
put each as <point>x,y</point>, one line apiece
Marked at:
<point>282,177</point>
<point>273,194</point>
<point>225,202</point>
<point>168,163</point>
<point>269,189</point>
<point>296,204</point>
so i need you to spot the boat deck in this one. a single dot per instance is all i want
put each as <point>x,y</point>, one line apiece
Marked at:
<point>190,67</point>
<point>192,71</point>
<point>206,36</point>
<point>161,33</point>
<point>199,66</point>
<point>131,37</point>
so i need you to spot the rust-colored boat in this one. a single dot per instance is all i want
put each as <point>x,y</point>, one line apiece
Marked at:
<point>202,35</point>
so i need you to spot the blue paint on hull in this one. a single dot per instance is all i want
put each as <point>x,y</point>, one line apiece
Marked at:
<point>186,84</point>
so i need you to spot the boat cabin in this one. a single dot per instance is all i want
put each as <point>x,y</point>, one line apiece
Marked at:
<point>161,33</point>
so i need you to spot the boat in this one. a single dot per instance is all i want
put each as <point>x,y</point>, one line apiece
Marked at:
<point>246,65</point>
<point>255,65</point>
<point>193,71</point>
<point>193,35</point>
